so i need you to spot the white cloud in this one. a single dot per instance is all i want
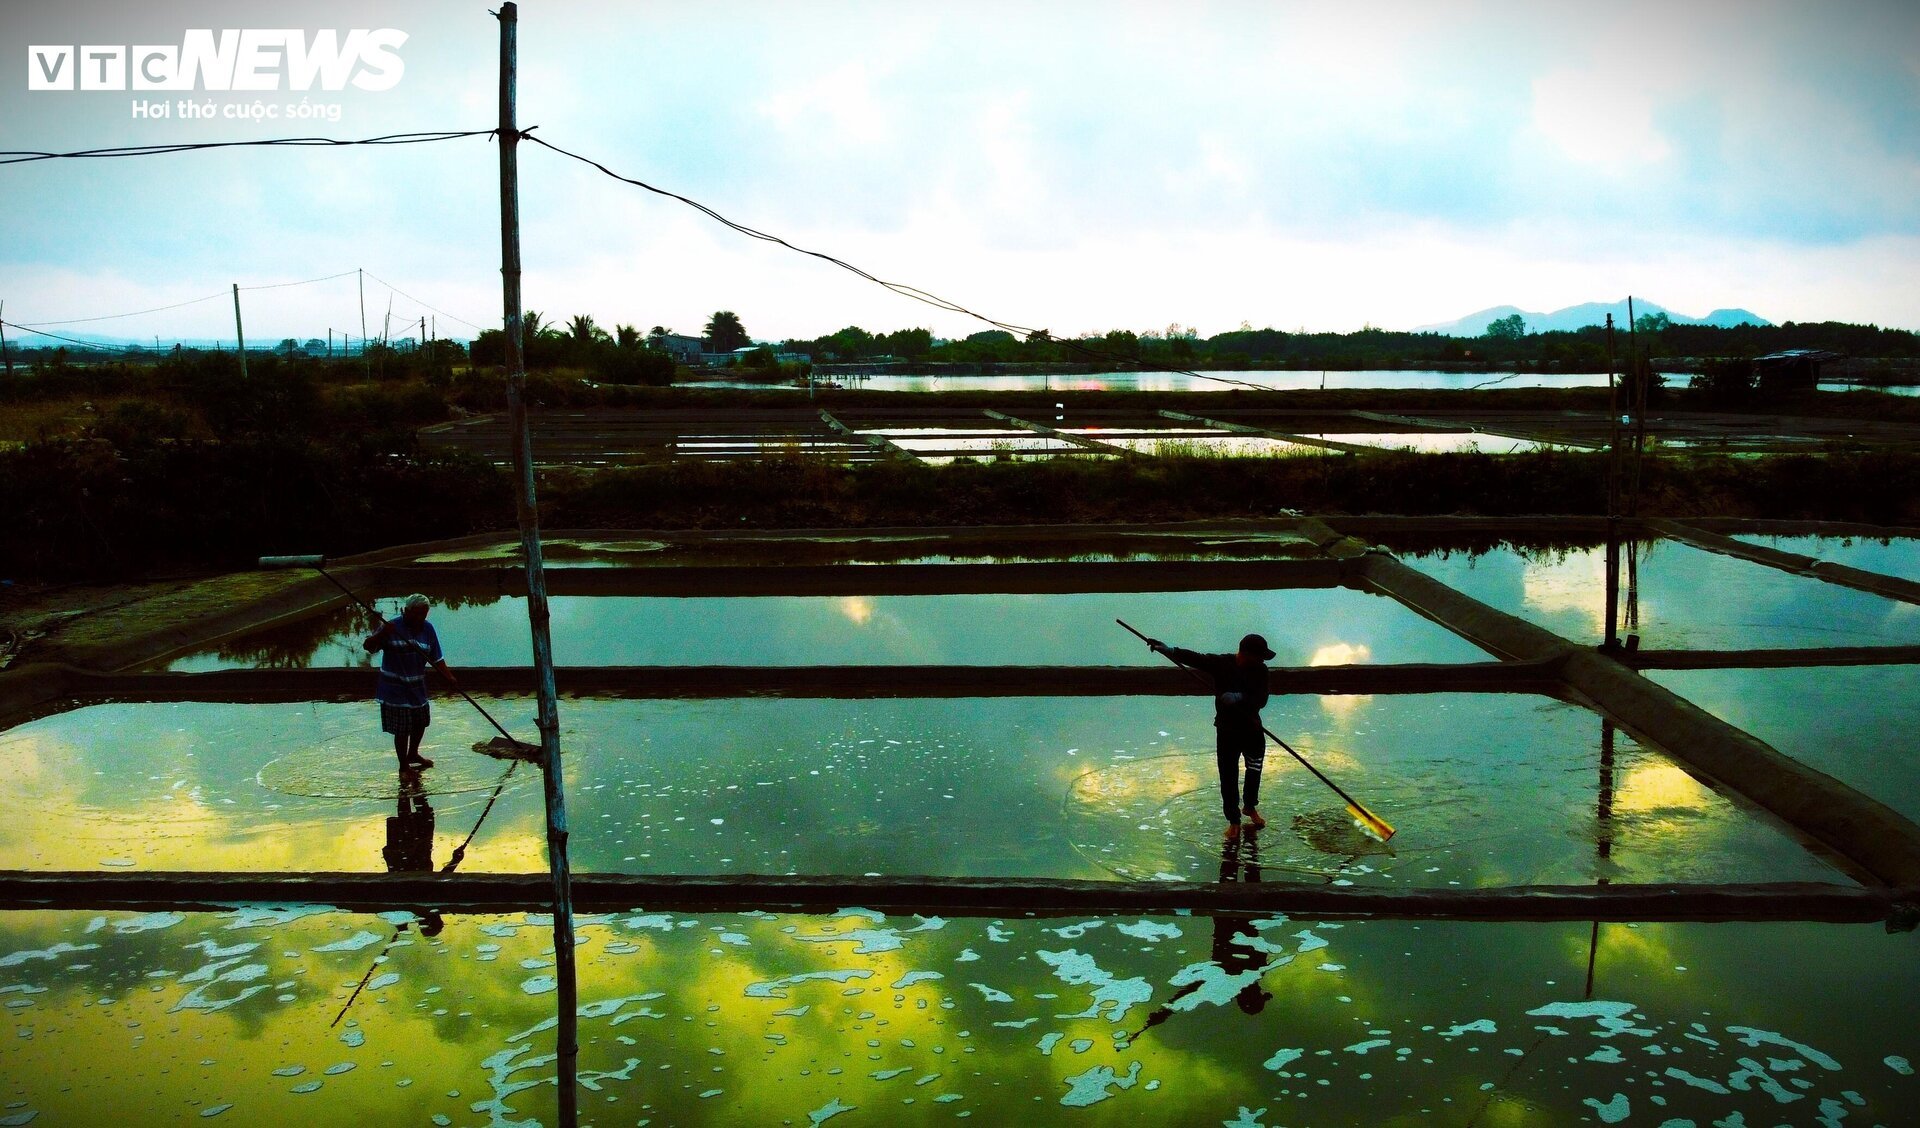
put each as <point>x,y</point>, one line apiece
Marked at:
<point>1598,118</point>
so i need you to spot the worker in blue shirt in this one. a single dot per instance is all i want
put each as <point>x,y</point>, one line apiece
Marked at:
<point>407,645</point>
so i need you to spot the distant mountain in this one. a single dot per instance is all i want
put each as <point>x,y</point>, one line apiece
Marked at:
<point>1583,315</point>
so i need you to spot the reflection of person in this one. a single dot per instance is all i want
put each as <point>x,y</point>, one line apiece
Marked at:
<point>1239,693</point>
<point>409,847</point>
<point>1236,950</point>
<point>407,646</point>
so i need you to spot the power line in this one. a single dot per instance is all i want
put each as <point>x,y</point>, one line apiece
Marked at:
<point>307,282</point>
<point>56,336</point>
<point>135,313</point>
<point>192,301</point>
<point>23,156</point>
<point>906,291</point>
<point>418,302</point>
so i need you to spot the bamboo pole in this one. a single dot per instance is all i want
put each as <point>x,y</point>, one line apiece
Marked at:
<point>566,1038</point>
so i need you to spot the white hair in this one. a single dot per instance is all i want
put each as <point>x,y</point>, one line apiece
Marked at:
<point>415,600</point>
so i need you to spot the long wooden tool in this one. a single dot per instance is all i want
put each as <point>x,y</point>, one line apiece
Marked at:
<point>318,564</point>
<point>1373,824</point>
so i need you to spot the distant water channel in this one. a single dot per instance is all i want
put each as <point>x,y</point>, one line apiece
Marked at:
<point>1366,379</point>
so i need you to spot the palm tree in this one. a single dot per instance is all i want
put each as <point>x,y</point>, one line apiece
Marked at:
<point>582,329</point>
<point>726,332</point>
<point>627,337</point>
<point>532,324</point>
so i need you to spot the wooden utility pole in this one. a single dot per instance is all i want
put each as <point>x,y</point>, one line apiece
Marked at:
<point>1613,499</point>
<point>4,354</point>
<point>566,1035</point>
<point>361,272</point>
<point>238,333</point>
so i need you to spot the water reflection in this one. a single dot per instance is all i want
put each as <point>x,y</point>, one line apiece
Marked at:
<point>1487,789</point>
<point>1678,597</point>
<point>1239,958</point>
<point>1071,629</point>
<point>1357,380</point>
<point>763,1018</point>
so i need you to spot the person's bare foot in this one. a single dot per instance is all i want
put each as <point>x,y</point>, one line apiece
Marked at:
<point>1255,819</point>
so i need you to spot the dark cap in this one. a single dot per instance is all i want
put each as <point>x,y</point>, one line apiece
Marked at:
<point>1256,645</point>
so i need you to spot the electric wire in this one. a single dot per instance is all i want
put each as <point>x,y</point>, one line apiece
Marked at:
<point>914,293</point>
<point>423,305</point>
<point>23,156</point>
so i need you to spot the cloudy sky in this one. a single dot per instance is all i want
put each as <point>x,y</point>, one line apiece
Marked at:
<point>1077,166</point>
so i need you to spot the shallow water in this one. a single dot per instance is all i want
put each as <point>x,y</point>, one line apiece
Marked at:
<point>1225,381</point>
<point>1485,789</point>
<point>1890,556</point>
<point>1305,626</point>
<point>861,1018</point>
<point>1436,442</point>
<point>1856,723</point>
<point>1688,598</point>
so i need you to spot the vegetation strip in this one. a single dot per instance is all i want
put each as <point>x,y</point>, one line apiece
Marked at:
<point>959,896</point>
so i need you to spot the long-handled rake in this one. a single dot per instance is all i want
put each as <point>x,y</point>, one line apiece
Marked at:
<point>513,749</point>
<point>1373,824</point>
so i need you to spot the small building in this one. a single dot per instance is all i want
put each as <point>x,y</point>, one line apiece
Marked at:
<point>686,350</point>
<point>1790,369</point>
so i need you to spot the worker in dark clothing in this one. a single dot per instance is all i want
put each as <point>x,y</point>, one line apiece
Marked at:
<point>1239,693</point>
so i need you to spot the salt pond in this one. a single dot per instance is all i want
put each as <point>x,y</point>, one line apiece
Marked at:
<point>1306,626</point>
<point>1688,598</point>
<point>1853,722</point>
<point>1486,789</point>
<point>863,1018</point>
<point>1892,556</point>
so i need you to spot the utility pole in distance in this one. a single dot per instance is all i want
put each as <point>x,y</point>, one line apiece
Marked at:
<point>4,354</point>
<point>239,334</point>
<point>566,1034</point>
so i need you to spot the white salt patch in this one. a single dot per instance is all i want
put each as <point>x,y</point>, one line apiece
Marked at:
<point>887,1074</point>
<point>1091,1087</point>
<point>1371,1044</point>
<point>214,1110</point>
<point>1080,970</point>
<point>1610,1015</point>
<point>384,979</point>
<point>659,922</point>
<point>967,955</point>
<point>1248,1118</point>
<point>1898,1065</point>
<point>1610,1112</point>
<point>1283,1058</point>
<point>776,988</point>
<point>1607,1055</point>
<point>261,916</point>
<point>912,977</point>
<point>1477,1026</point>
<point>1752,1037</point>
<point>1150,931</point>
<point>14,959</point>
<point>356,942</point>
<point>337,1070</point>
<point>117,863</point>
<point>990,994</point>
<point>1332,967</point>
<point>829,1110</point>
<point>998,935</point>
<point>1075,931</point>
<point>149,923</point>
<point>354,1038</point>
<point>1021,1024</point>
<point>1048,1042</point>
<point>1309,942</point>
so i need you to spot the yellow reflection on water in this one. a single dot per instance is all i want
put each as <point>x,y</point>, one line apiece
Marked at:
<point>1660,787</point>
<point>858,609</point>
